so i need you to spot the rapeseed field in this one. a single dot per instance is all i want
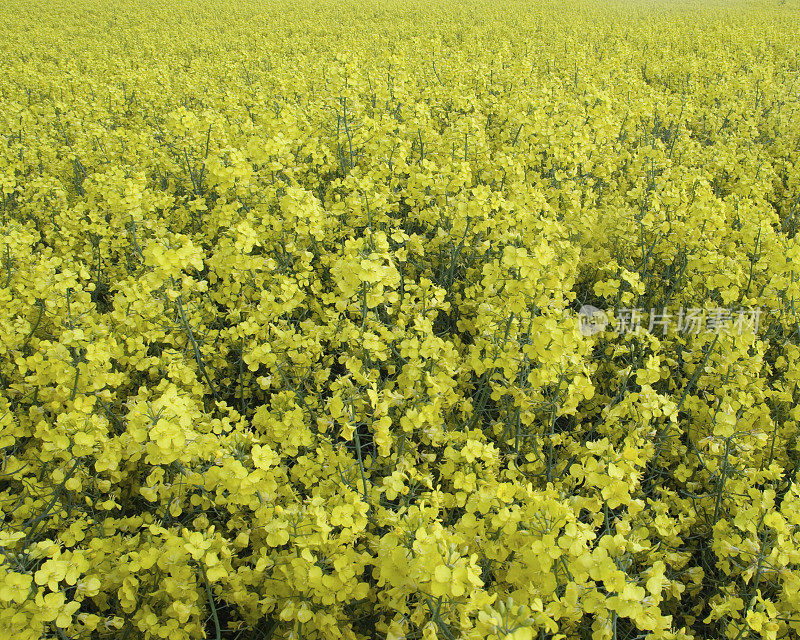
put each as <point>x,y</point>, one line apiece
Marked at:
<point>399,320</point>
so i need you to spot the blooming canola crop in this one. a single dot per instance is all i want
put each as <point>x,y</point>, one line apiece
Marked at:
<point>295,334</point>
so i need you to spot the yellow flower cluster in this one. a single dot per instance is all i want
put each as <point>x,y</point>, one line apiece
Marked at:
<point>290,298</point>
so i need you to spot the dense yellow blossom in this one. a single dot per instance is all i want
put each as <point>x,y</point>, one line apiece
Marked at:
<point>290,298</point>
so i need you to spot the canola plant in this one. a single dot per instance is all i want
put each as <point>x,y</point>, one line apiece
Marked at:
<point>293,303</point>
